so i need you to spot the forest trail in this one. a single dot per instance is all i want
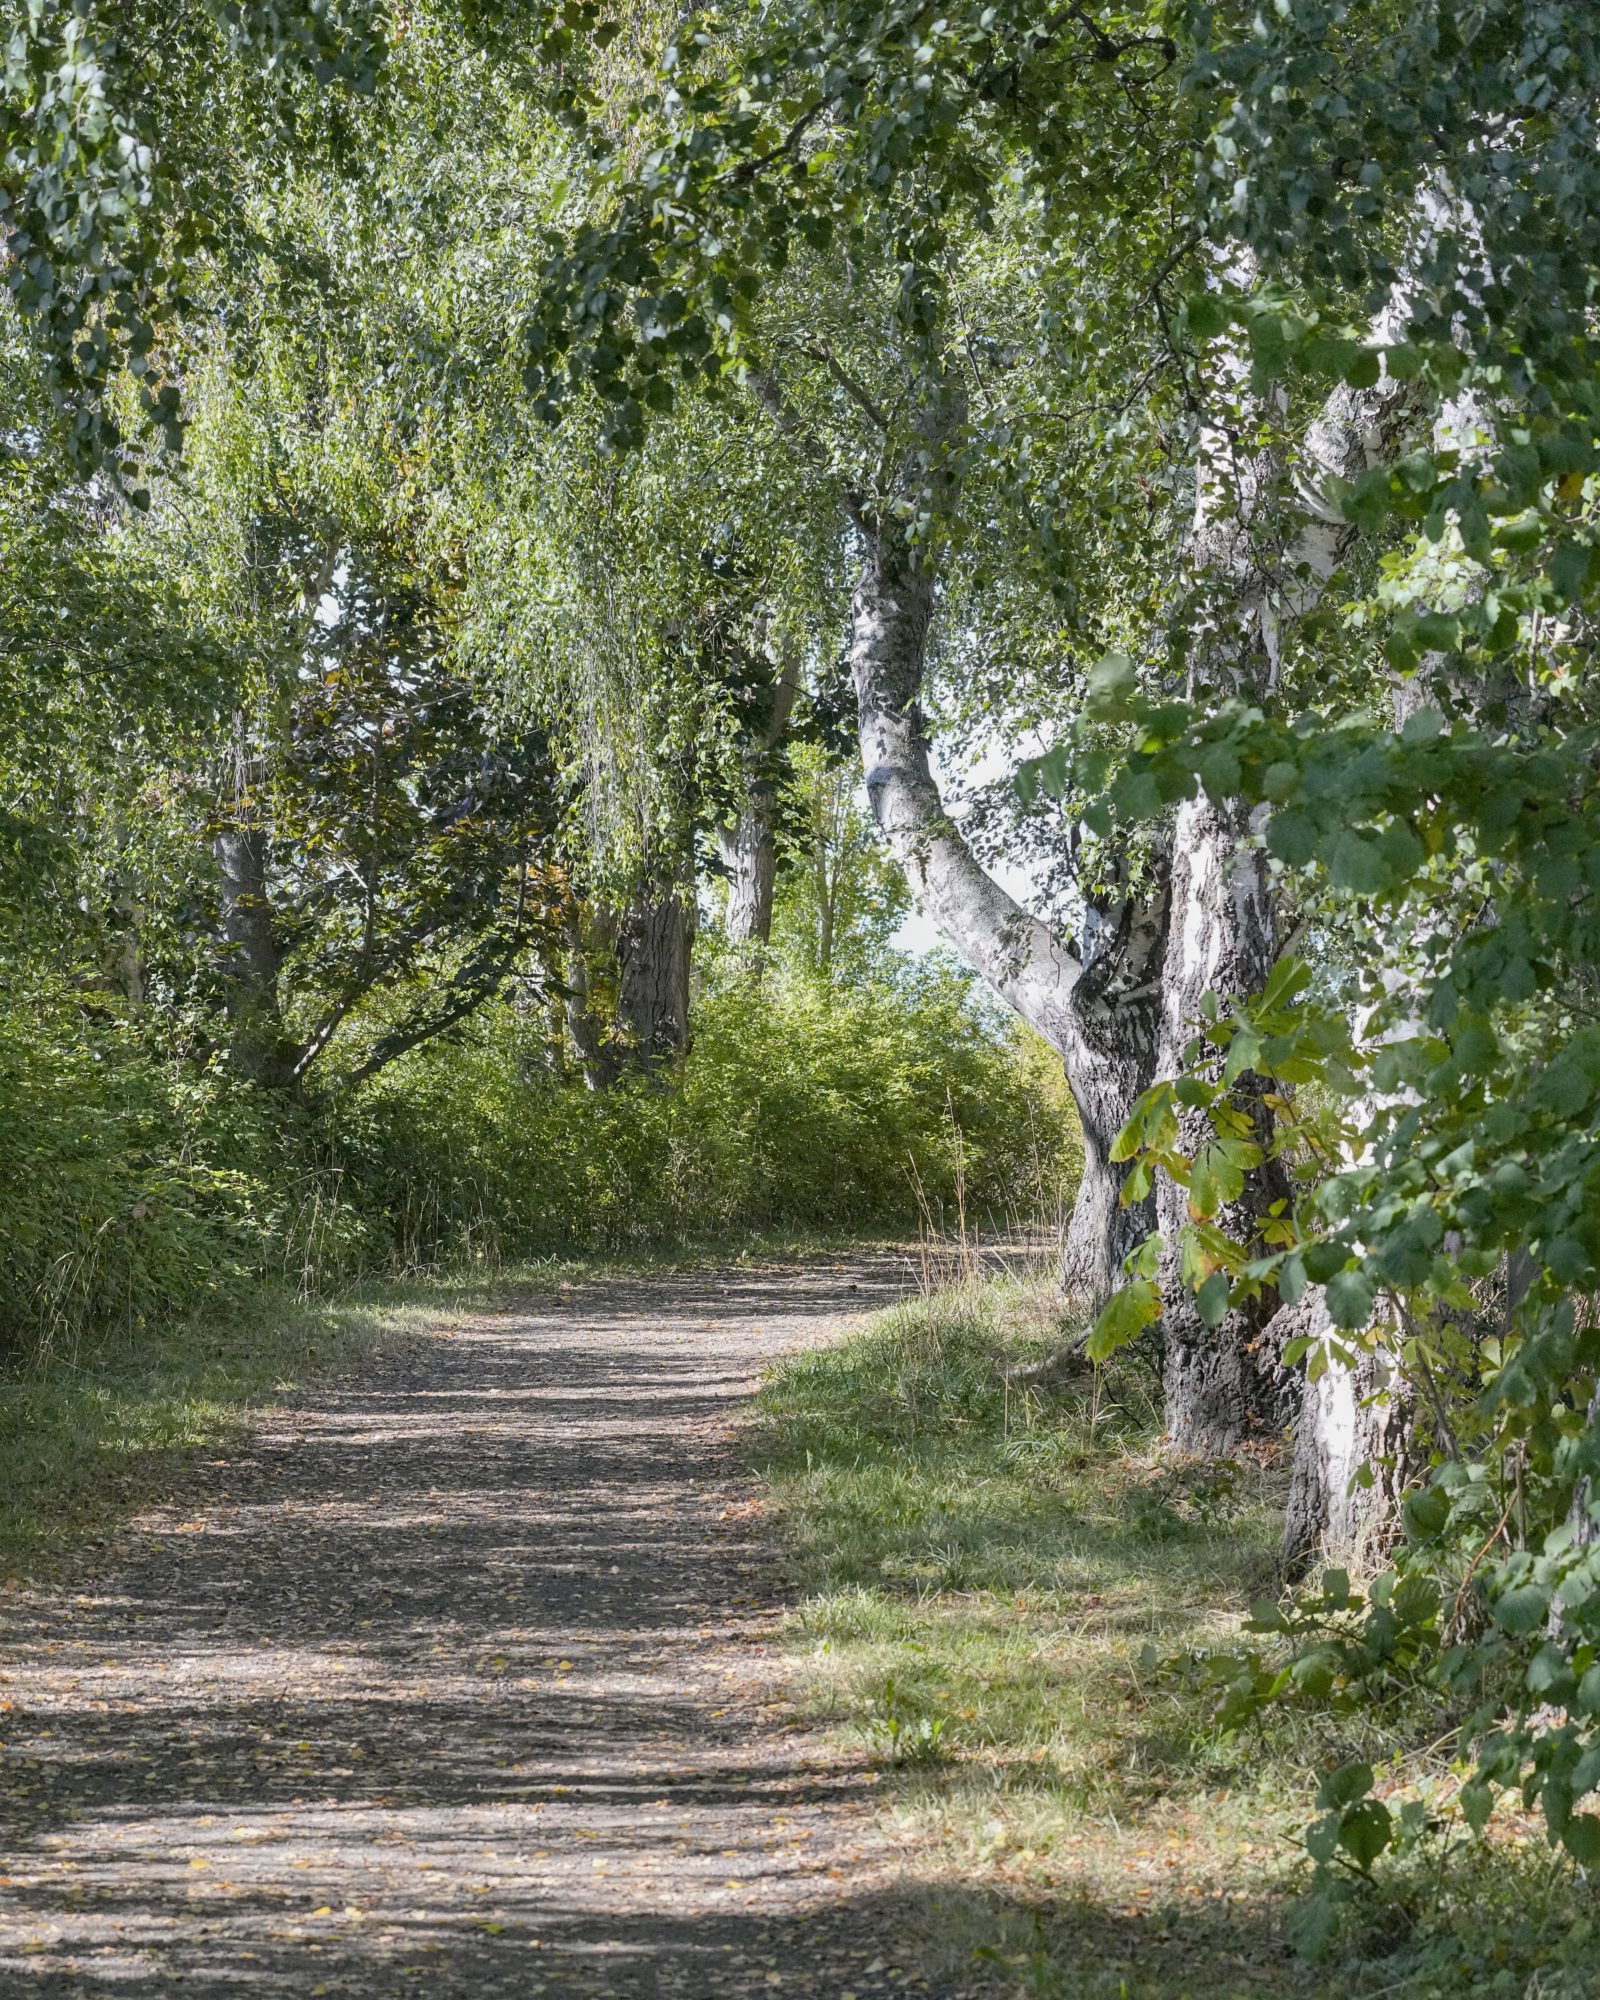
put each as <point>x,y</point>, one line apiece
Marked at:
<point>456,1681</point>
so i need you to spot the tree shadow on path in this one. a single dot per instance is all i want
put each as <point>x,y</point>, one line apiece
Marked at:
<point>459,1682</point>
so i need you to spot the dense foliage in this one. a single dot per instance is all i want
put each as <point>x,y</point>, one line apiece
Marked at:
<point>140,1187</point>
<point>478,472</point>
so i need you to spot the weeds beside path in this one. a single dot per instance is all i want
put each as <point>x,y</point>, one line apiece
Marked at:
<point>993,1576</point>
<point>454,1678</point>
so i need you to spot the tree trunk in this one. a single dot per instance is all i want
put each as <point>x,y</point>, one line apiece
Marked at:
<point>1102,1016</point>
<point>749,845</point>
<point>254,958</point>
<point>1357,1449</point>
<point>749,850</point>
<point>1224,1384</point>
<point>1110,1062</point>
<point>654,942</point>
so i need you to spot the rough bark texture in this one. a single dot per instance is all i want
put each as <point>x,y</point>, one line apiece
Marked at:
<point>1264,543</point>
<point>749,850</point>
<point>1359,1420</point>
<point>1224,1384</point>
<point>1110,1061</point>
<point>654,941</point>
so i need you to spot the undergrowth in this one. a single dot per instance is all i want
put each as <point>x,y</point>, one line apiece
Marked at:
<point>995,1572</point>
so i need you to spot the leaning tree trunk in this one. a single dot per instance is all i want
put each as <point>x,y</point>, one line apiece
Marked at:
<point>1101,1016</point>
<point>1106,1036</point>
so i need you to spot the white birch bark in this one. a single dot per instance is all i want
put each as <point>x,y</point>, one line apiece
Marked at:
<point>1265,540</point>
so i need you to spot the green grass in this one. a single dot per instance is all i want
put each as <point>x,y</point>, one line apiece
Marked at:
<point>988,1568</point>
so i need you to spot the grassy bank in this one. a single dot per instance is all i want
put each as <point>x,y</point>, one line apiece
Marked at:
<point>993,1573</point>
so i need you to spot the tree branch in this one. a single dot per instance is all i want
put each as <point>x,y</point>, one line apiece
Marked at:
<point>824,353</point>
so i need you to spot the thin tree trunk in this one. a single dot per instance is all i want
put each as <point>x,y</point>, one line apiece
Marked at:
<point>749,844</point>
<point>749,849</point>
<point>254,958</point>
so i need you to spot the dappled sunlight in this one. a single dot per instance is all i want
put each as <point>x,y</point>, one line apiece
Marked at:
<point>458,1678</point>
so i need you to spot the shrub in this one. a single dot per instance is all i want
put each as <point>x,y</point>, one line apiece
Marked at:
<point>137,1184</point>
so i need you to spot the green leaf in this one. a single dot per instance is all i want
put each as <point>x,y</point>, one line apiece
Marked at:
<point>1569,570</point>
<point>1349,1295</point>
<point>1124,1317</point>
<point>1425,1513</point>
<point>1211,1300</point>
<point>1521,1610</point>
<point>1292,836</point>
<point>1206,315</point>
<point>1476,1800</point>
<point>1313,1675</point>
<point>1581,1838</point>
<point>1364,1831</point>
<point>1113,682</point>
<point>1344,1786</point>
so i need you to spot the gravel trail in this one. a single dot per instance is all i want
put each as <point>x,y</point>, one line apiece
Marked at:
<point>457,1681</point>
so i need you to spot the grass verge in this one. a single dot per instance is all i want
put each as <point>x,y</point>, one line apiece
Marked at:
<point>85,1438</point>
<point>989,1570</point>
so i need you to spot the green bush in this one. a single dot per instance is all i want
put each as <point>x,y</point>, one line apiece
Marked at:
<point>109,1208</point>
<point>801,1105</point>
<point>137,1184</point>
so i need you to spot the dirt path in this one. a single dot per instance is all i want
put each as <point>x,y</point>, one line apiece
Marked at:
<point>458,1683</point>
